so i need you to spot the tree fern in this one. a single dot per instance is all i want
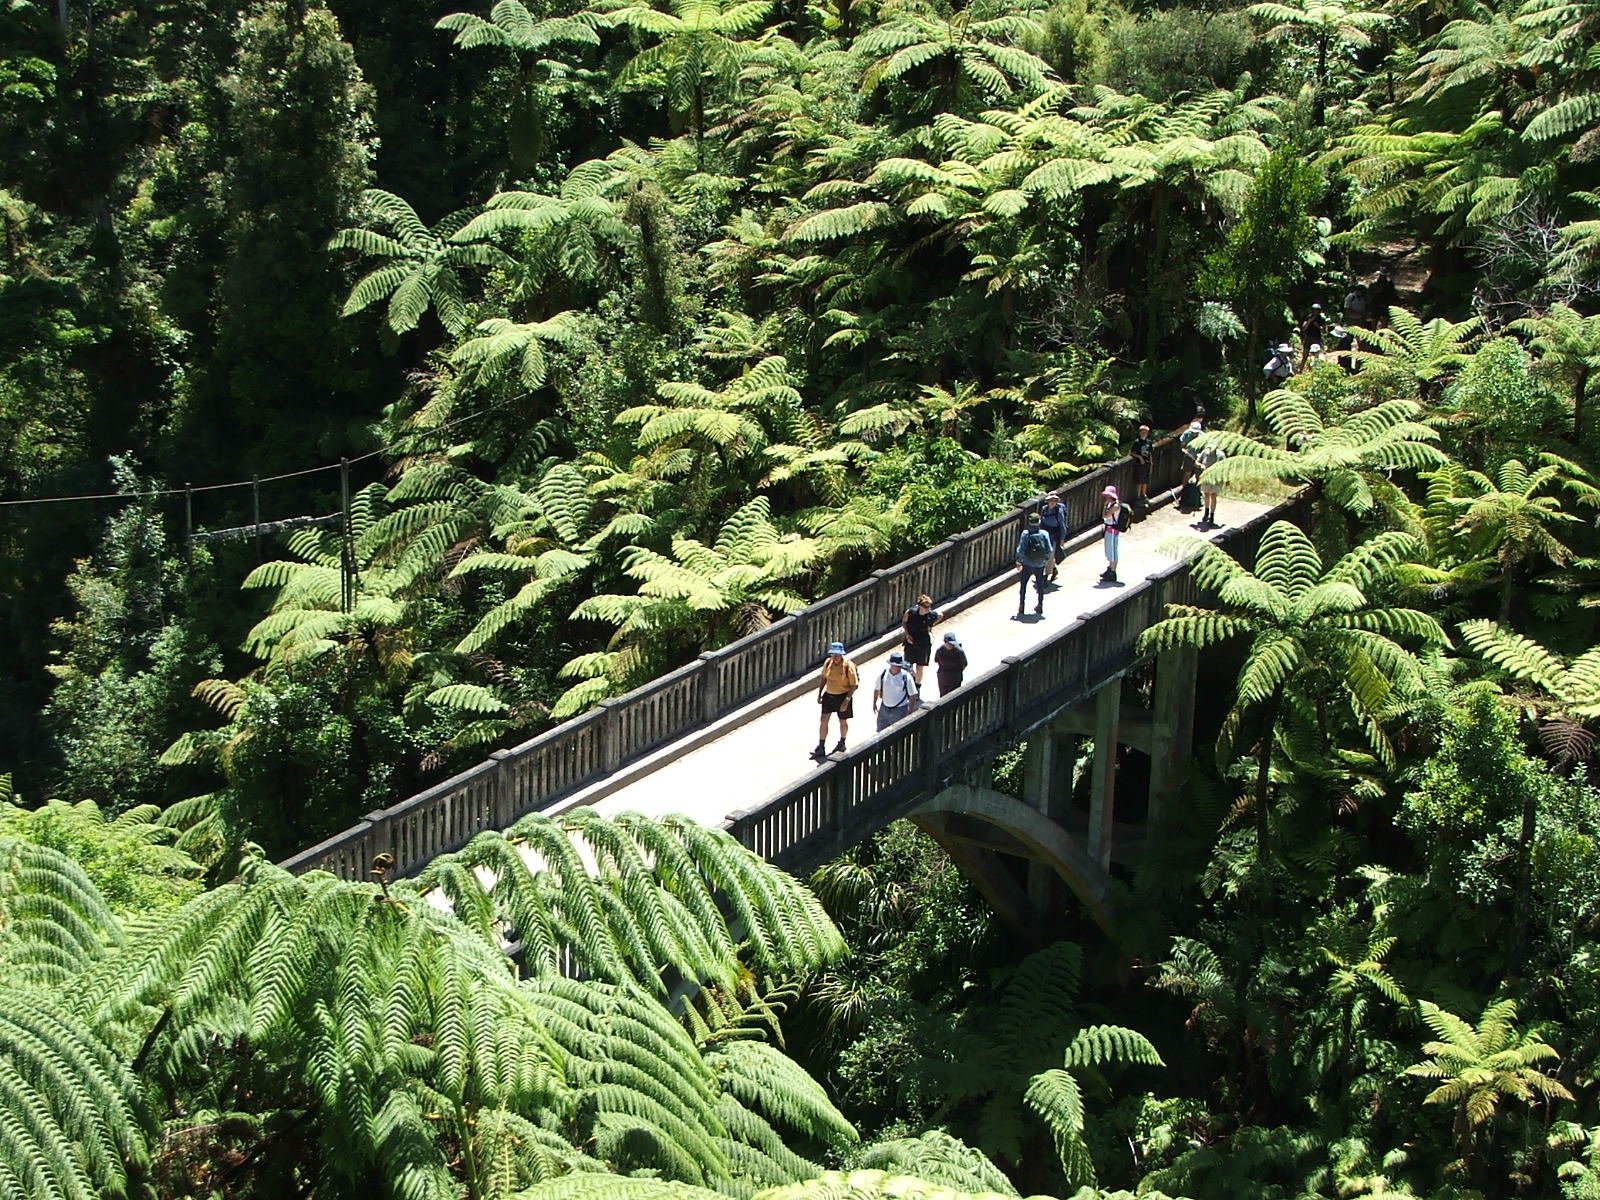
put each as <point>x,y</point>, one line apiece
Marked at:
<point>654,903</point>
<point>937,1157</point>
<point>1313,627</point>
<point>73,1125</point>
<point>764,1079</point>
<point>53,920</point>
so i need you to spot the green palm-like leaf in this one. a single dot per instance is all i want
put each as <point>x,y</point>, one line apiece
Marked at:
<point>72,1121</point>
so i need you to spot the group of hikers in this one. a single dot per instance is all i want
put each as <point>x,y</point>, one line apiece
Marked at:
<point>899,688</point>
<point>1040,549</point>
<point>1366,305</point>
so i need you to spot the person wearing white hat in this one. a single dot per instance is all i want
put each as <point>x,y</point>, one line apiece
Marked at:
<point>1281,365</point>
<point>896,694</point>
<point>834,691</point>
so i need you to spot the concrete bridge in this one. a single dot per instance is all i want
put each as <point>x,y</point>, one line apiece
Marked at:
<point>726,739</point>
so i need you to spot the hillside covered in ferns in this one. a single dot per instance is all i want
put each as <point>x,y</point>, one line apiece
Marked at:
<point>381,385</point>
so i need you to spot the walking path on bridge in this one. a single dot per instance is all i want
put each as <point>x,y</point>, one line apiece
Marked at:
<point>745,758</point>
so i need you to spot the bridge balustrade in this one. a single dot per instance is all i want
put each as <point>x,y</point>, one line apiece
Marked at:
<point>853,795</point>
<point>619,731</point>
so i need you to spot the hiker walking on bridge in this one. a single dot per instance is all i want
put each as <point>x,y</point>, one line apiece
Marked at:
<point>1053,520</point>
<point>896,694</point>
<point>834,691</point>
<point>917,625</point>
<point>1115,519</point>
<point>951,661</point>
<point>1035,555</point>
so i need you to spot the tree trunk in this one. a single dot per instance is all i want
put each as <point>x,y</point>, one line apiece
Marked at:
<point>1578,397</point>
<point>1319,108</point>
<point>699,118</point>
<point>1264,772</point>
<point>1522,903</point>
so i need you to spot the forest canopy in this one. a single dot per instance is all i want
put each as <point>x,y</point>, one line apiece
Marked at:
<point>380,386</point>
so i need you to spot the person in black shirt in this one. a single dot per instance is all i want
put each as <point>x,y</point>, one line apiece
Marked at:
<point>1143,451</point>
<point>918,626</point>
<point>1311,333</point>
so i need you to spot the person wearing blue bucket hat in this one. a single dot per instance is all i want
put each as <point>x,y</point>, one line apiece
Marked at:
<point>835,688</point>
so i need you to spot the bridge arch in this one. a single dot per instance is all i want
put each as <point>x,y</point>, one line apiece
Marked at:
<point>1042,839</point>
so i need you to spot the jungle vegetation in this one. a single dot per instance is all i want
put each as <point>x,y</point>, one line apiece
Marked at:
<point>639,324</point>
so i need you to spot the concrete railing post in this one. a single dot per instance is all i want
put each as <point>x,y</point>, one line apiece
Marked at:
<point>805,654</point>
<point>610,737</point>
<point>1013,707</point>
<point>710,686</point>
<point>380,840</point>
<point>955,566</point>
<point>505,789</point>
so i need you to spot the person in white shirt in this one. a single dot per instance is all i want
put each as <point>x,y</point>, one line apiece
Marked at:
<point>896,693</point>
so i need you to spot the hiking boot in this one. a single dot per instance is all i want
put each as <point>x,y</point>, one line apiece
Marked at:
<point>1038,609</point>
<point>821,751</point>
<point>1108,575</point>
<point>838,747</point>
<point>1020,608</point>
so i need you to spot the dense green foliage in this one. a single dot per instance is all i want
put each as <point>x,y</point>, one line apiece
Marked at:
<point>641,324</point>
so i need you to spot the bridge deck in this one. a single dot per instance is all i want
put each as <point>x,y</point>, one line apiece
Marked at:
<point>751,754</point>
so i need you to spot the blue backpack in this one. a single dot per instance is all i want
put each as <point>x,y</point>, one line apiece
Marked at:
<point>1036,548</point>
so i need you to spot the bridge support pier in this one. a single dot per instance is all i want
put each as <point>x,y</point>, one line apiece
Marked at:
<point>1103,773</point>
<point>1046,788</point>
<point>1172,731</point>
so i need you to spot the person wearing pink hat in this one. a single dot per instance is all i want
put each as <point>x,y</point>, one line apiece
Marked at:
<point>1114,520</point>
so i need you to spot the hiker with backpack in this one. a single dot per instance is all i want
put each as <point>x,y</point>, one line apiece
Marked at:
<point>896,697</point>
<point>835,690</point>
<point>916,625</point>
<point>1209,487</point>
<point>1053,520</point>
<point>1115,518</point>
<point>1279,367</point>
<point>1188,493</point>
<point>1035,556</point>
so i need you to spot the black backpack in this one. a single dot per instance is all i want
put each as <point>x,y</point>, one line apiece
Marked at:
<point>1124,518</point>
<point>1036,545</point>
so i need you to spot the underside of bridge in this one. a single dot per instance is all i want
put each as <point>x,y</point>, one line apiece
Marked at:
<point>1056,842</point>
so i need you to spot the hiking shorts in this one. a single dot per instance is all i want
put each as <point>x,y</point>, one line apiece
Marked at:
<point>917,653</point>
<point>838,702</point>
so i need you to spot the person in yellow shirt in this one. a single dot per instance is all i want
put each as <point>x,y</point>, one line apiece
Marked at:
<point>835,688</point>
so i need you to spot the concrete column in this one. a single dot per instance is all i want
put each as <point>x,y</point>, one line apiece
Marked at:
<point>1103,784</point>
<point>1038,781</point>
<point>1173,740</point>
<point>1038,764</point>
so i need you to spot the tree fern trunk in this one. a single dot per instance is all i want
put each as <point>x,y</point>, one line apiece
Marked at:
<point>699,119</point>
<point>1522,902</point>
<point>1319,106</point>
<point>1579,395</point>
<point>1264,773</point>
